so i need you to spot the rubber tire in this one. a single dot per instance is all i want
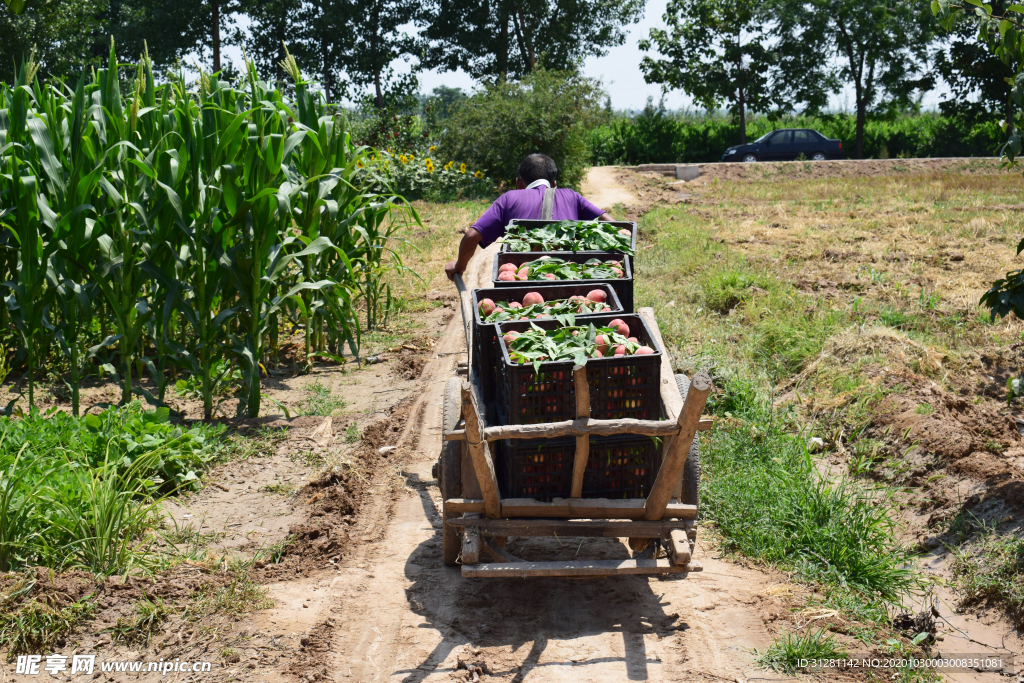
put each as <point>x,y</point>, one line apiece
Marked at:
<point>691,471</point>
<point>450,470</point>
<point>749,158</point>
<point>819,156</point>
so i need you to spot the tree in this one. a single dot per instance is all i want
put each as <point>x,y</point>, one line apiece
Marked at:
<point>881,49</point>
<point>547,111</point>
<point>273,23</point>
<point>378,25</point>
<point>501,39</point>
<point>978,80</point>
<point>714,52</point>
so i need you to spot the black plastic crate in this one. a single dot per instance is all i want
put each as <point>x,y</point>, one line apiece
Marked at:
<point>623,286</point>
<point>487,355</point>
<point>530,223</point>
<point>621,466</point>
<point>624,387</point>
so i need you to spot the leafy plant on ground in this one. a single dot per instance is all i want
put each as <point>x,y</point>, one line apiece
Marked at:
<point>145,621</point>
<point>786,652</point>
<point>29,626</point>
<point>989,571</point>
<point>766,497</point>
<point>85,492</point>
<point>321,401</point>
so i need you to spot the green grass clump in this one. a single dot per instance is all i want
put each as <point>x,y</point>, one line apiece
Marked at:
<point>320,401</point>
<point>85,492</point>
<point>766,497</point>
<point>991,572</point>
<point>785,653</point>
<point>30,626</point>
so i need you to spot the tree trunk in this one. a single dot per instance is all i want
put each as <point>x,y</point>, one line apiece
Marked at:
<point>379,101</point>
<point>743,116</point>
<point>1009,115</point>
<point>502,43</point>
<point>215,34</point>
<point>862,107</point>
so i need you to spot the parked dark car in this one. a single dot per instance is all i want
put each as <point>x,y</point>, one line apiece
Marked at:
<point>787,144</point>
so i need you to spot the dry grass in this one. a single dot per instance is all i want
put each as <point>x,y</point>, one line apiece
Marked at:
<point>772,275</point>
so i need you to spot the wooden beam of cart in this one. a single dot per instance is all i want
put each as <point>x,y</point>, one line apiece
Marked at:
<point>581,427</point>
<point>590,528</point>
<point>571,508</point>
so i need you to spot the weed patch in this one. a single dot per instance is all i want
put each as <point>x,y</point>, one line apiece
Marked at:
<point>763,492</point>
<point>991,572</point>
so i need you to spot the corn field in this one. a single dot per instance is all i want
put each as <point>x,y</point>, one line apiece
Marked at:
<point>175,231</point>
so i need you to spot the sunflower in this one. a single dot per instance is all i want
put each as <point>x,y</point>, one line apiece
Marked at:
<point>462,168</point>
<point>478,175</point>
<point>433,148</point>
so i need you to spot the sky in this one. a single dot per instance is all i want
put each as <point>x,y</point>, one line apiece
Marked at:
<point>619,72</point>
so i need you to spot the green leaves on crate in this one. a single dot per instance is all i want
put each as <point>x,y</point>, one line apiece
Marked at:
<point>503,311</point>
<point>569,236</point>
<point>551,268</point>
<point>572,342</point>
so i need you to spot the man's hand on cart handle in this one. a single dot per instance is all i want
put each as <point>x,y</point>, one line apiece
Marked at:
<point>467,247</point>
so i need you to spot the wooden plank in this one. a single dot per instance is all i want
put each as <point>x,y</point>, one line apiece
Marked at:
<point>679,546</point>
<point>572,508</point>
<point>579,427</point>
<point>670,397</point>
<point>677,451</point>
<point>579,466</point>
<point>466,307</point>
<point>589,528</point>
<point>575,568</point>
<point>470,545</point>
<point>480,452</point>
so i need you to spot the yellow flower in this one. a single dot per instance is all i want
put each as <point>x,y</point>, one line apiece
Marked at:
<point>478,174</point>
<point>404,159</point>
<point>462,168</point>
<point>433,147</point>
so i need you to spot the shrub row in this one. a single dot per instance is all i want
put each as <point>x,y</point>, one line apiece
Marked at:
<point>658,136</point>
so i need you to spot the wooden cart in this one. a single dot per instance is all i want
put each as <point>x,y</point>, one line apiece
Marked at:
<point>477,520</point>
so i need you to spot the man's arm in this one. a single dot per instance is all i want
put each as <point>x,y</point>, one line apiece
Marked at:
<point>467,247</point>
<point>605,217</point>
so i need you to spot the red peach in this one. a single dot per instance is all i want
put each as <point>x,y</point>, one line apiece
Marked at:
<point>644,351</point>
<point>506,276</point>
<point>620,327</point>
<point>486,307</point>
<point>532,298</point>
<point>515,304</point>
<point>632,339</point>
<point>597,296</point>
<point>601,342</point>
<point>620,350</point>
<point>507,266</point>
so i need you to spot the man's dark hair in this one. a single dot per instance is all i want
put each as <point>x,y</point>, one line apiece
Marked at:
<point>537,166</point>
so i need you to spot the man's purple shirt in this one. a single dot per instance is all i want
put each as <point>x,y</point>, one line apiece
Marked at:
<point>569,205</point>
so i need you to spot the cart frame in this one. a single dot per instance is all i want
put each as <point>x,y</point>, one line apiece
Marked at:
<point>481,519</point>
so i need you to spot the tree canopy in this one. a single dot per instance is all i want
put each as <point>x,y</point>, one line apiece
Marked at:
<point>505,39</point>
<point>714,50</point>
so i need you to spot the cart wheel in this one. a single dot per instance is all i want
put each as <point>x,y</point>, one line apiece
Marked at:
<point>691,472</point>
<point>450,470</point>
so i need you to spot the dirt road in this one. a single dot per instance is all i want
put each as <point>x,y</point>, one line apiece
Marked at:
<point>397,614</point>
